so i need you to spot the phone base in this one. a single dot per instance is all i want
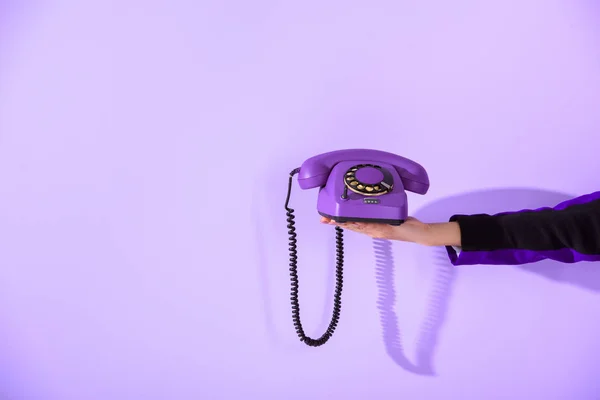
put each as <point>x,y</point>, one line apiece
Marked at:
<point>341,220</point>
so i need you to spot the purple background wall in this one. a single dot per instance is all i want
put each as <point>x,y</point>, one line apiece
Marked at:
<point>144,152</point>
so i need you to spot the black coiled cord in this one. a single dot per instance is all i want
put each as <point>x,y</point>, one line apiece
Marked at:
<point>339,270</point>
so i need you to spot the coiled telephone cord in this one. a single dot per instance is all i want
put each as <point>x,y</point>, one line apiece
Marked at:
<point>339,269</point>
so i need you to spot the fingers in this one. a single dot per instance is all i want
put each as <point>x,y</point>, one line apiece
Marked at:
<point>380,231</point>
<point>352,226</point>
<point>329,221</point>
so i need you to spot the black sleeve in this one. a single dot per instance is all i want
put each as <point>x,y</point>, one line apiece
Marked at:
<point>576,227</point>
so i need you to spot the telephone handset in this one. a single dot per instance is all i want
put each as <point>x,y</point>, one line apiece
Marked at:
<point>356,185</point>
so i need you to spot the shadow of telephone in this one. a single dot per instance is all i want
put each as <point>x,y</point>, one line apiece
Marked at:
<point>357,185</point>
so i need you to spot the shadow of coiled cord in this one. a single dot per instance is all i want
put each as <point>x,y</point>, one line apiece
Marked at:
<point>436,310</point>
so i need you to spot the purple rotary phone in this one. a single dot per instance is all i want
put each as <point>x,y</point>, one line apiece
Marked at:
<point>356,185</point>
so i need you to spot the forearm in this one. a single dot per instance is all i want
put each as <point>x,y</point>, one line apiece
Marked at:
<point>442,234</point>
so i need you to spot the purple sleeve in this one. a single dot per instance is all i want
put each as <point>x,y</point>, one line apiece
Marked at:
<point>568,232</point>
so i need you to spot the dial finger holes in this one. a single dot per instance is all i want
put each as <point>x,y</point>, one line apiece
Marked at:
<point>367,180</point>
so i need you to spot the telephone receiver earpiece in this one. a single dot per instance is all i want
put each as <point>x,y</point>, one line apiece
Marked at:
<point>356,185</point>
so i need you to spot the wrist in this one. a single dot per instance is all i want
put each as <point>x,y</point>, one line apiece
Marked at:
<point>442,234</point>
